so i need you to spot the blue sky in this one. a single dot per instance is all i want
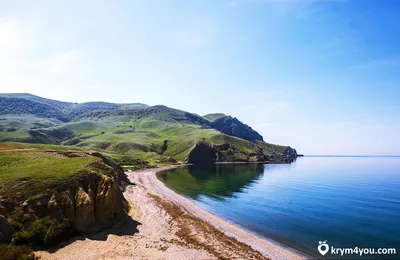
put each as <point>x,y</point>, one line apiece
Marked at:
<point>321,76</point>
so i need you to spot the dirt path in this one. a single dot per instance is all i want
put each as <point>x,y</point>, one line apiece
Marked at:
<point>165,225</point>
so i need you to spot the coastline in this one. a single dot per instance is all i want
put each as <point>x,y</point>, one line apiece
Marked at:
<point>166,225</point>
<point>268,247</point>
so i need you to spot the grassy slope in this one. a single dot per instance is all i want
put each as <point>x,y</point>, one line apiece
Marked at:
<point>125,134</point>
<point>15,128</point>
<point>214,116</point>
<point>30,171</point>
<point>142,139</point>
<point>137,138</point>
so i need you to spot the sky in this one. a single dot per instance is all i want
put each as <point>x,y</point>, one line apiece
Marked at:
<point>322,76</point>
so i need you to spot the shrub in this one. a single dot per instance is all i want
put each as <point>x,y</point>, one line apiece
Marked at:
<point>11,252</point>
<point>58,232</point>
<point>18,215</point>
<point>15,224</point>
<point>44,232</point>
<point>21,238</point>
<point>38,230</point>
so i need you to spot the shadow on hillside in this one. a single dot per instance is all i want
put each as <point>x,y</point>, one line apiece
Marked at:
<point>127,227</point>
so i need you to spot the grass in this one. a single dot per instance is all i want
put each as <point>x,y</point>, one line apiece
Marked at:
<point>11,252</point>
<point>28,171</point>
<point>31,172</point>
<point>128,139</point>
<point>15,128</point>
<point>136,138</point>
<point>12,146</point>
<point>214,116</point>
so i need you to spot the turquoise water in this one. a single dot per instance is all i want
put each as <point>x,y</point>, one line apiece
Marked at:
<point>347,201</point>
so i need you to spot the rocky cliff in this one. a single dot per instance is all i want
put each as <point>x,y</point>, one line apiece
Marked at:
<point>290,154</point>
<point>232,126</point>
<point>204,153</point>
<point>92,201</point>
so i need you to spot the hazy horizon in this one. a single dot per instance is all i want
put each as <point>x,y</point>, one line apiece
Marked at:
<point>320,76</point>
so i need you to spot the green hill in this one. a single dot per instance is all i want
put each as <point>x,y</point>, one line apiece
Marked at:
<point>214,116</point>
<point>132,133</point>
<point>23,104</point>
<point>50,193</point>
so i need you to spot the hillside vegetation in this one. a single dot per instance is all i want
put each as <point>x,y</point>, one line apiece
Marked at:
<point>48,195</point>
<point>132,134</point>
<point>59,161</point>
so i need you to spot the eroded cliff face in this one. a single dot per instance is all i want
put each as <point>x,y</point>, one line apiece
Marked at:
<point>93,201</point>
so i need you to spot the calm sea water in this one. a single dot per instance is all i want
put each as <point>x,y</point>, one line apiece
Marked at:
<point>347,201</point>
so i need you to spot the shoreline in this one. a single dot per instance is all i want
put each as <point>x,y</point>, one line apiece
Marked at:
<point>267,246</point>
<point>277,242</point>
<point>165,225</point>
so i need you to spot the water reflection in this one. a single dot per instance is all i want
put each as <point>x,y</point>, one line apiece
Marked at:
<point>214,181</point>
<point>346,201</point>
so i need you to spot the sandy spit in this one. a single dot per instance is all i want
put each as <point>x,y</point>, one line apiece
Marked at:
<point>165,225</point>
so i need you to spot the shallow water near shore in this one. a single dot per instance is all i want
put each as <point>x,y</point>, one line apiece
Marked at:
<point>346,201</point>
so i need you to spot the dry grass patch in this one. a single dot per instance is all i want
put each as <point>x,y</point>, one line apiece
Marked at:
<point>199,234</point>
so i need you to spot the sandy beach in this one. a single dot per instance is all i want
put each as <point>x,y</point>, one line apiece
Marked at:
<point>165,225</point>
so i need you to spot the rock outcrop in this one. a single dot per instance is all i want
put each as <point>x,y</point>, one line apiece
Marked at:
<point>84,211</point>
<point>202,153</point>
<point>232,126</point>
<point>6,230</point>
<point>290,154</point>
<point>92,201</point>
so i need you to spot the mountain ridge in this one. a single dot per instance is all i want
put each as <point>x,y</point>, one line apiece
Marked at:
<point>134,131</point>
<point>25,103</point>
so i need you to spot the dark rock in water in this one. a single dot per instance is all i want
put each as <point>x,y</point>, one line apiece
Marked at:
<point>202,153</point>
<point>290,154</point>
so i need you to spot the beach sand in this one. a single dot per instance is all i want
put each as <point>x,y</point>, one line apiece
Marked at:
<point>166,225</point>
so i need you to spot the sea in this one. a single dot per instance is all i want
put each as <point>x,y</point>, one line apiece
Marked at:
<point>326,207</point>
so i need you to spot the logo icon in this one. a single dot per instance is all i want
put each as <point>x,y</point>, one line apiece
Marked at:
<point>323,247</point>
